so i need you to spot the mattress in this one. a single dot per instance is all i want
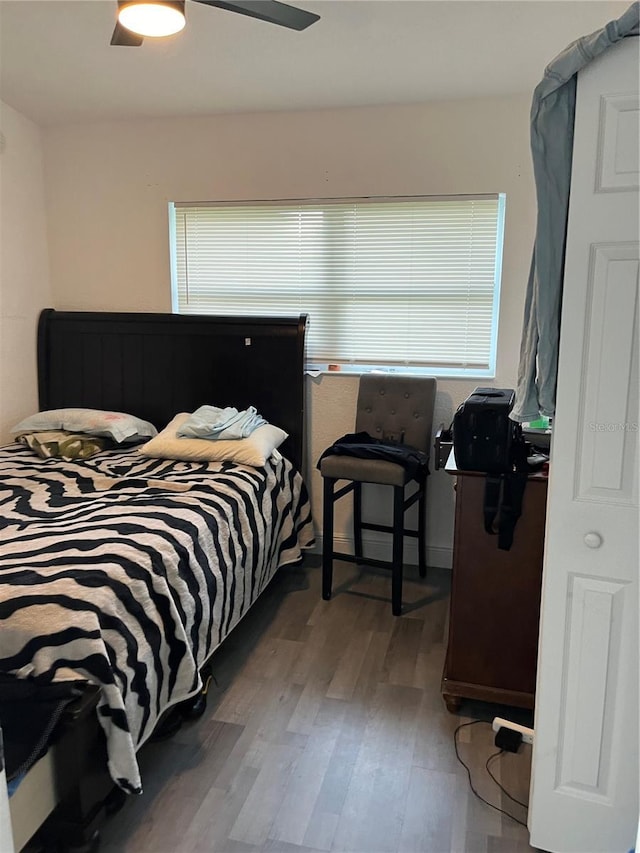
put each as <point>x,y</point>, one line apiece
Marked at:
<point>128,572</point>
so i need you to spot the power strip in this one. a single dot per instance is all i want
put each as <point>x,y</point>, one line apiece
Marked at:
<point>499,723</point>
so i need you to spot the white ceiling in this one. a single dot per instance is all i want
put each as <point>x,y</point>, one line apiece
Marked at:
<point>56,64</point>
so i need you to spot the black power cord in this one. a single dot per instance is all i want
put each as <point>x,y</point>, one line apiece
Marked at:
<point>502,788</point>
<point>495,755</point>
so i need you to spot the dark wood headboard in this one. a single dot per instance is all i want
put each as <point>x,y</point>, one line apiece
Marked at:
<point>156,365</point>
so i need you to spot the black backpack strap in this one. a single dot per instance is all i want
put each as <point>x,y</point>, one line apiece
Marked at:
<point>515,483</point>
<point>503,494</point>
<point>511,509</point>
<point>492,490</point>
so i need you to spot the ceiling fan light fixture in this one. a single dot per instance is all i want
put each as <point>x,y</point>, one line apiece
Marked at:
<point>153,19</point>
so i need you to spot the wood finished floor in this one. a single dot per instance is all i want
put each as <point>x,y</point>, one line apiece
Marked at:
<point>327,732</point>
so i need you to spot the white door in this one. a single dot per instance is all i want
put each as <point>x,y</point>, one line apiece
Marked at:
<point>584,794</point>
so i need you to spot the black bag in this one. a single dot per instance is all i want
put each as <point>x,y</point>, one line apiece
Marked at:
<point>485,439</point>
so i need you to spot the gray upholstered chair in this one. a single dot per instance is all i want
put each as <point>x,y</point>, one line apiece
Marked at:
<point>399,408</point>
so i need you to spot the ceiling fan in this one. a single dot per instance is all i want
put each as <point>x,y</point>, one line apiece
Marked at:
<point>139,18</point>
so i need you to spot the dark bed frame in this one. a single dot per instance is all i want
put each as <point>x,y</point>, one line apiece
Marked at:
<point>154,366</point>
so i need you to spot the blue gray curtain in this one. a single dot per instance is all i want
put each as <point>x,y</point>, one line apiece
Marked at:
<point>552,116</point>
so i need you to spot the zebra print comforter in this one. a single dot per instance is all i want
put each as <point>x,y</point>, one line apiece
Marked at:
<point>128,572</point>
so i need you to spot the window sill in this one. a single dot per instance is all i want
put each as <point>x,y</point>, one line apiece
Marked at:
<point>315,369</point>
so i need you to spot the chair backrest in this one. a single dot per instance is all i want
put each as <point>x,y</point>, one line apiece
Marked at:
<point>399,408</point>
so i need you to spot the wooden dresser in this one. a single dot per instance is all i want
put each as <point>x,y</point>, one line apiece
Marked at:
<point>495,599</point>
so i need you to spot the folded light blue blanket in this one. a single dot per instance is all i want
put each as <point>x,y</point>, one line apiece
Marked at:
<point>212,423</point>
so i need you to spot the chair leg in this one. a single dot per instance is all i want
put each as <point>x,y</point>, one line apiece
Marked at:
<point>422,530</point>
<point>398,543</point>
<point>357,521</point>
<point>327,538</point>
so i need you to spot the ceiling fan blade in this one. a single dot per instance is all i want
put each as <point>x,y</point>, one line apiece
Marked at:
<point>124,37</point>
<point>268,10</point>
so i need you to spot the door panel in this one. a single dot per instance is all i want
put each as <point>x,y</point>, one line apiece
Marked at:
<point>606,454</point>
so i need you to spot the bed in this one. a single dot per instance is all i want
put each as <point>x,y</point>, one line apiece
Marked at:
<point>125,571</point>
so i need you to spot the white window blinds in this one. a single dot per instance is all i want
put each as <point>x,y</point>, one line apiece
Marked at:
<point>408,282</point>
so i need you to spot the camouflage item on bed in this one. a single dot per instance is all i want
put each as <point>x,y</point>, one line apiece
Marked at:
<point>64,445</point>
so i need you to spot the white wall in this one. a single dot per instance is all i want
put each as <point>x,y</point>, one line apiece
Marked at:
<point>108,186</point>
<point>24,265</point>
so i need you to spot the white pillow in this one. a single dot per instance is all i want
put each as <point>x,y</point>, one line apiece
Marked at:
<point>116,425</point>
<point>253,450</point>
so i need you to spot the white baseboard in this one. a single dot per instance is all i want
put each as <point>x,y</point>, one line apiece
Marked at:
<point>380,549</point>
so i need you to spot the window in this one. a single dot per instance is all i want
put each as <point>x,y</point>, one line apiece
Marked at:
<point>399,283</point>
